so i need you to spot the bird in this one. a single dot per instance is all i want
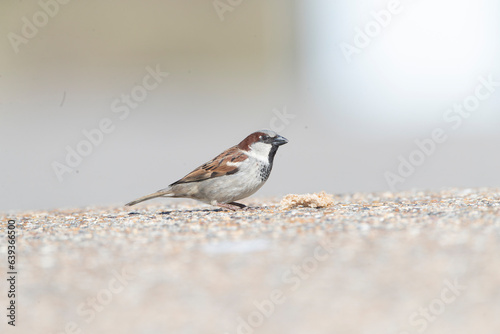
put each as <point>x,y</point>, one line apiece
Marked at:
<point>236,173</point>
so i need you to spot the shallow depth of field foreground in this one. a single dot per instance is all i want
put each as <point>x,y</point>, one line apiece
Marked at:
<point>410,262</point>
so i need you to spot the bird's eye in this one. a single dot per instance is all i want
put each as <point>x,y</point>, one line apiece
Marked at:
<point>264,137</point>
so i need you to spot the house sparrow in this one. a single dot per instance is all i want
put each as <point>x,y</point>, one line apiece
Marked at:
<point>236,173</point>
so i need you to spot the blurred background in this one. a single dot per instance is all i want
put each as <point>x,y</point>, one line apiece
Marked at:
<point>352,84</point>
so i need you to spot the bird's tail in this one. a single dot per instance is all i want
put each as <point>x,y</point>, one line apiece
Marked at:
<point>159,193</point>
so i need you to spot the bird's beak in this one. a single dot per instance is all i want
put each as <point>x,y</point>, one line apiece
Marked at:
<point>279,140</point>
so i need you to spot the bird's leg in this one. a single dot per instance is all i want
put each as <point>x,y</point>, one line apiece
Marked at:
<point>231,206</point>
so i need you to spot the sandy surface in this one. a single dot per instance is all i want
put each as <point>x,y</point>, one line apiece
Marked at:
<point>407,262</point>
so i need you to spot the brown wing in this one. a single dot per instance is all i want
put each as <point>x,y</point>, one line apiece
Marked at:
<point>216,167</point>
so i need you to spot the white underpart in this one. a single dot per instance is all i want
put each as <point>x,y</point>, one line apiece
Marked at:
<point>237,186</point>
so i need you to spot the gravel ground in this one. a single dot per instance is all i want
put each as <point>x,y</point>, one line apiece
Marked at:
<point>407,262</point>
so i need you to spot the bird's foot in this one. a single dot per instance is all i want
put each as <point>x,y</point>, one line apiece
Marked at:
<point>232,206</point>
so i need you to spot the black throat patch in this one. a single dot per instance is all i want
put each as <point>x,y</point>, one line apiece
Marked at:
<point>265,169</point>
<point>272,153</point>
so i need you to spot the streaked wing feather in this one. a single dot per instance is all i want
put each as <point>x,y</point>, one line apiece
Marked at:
<point>216,167</point>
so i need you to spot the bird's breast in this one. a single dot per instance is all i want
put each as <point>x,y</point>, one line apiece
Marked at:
<point>251,176</point>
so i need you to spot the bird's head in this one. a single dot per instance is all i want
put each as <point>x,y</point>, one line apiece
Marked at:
<point>262,144</point>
